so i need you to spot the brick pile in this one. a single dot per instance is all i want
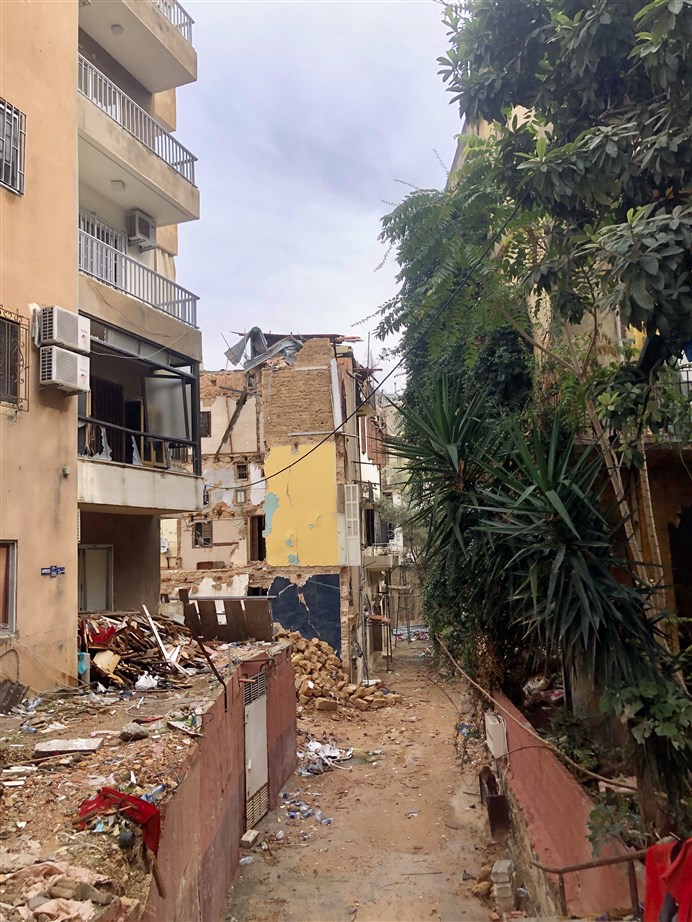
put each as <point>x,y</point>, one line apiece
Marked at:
<point>321,680</point>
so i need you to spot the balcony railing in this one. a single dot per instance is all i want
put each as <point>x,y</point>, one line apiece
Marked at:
<point>109,265</point>
<point>180,18</point>
<point>125,111</point>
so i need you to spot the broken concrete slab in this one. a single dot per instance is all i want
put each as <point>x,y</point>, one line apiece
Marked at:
<point>66,747</point>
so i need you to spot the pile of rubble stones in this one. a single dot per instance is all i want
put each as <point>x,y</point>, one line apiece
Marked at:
<point>320,679</point>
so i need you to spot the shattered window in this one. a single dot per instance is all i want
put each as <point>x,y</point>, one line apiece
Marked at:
<point>205,424</point>
<point>202,535</point>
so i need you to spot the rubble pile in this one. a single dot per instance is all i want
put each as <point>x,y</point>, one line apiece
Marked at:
<point>320,679</point>
<point>57,891</point>
<point>139,651</point>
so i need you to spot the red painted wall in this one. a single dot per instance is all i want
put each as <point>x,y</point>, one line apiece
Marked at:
<point>203,821</point>
<point>556,809</point>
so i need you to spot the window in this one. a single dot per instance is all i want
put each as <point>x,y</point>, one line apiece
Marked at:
<point>13,349</point>
<point>257,545</point>
<point>240,497</point>
<point>202,535</point>
<point>205,424</point>
<point>8,572</point>
<point>241,471</point>
<point>12,147</point>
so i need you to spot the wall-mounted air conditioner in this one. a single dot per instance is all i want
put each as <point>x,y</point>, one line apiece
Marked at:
<point>141,230</point>
<point>66,370</point>
<point>58,327</point>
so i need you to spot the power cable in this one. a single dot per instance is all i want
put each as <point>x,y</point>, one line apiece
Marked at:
<point>465,277</point>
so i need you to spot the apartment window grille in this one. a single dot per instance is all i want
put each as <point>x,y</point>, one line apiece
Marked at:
<point>202,535</point>
<point>12,147</point>
<point>8,579</point>
<point>205,424</point>
<point>241,471</point>
<point>14,351</point>
<point>102,262</point>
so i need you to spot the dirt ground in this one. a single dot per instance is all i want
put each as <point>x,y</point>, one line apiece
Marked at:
<point>406,825</point>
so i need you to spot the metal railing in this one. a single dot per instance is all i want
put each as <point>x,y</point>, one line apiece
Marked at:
<point>175,13</point>
<point>125,111</point>
<point>630,858</point>
<point>120,271</point>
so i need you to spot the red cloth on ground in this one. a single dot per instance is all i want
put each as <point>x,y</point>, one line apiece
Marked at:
<point>134,808</point>
<point>657,863</point>
<point>678,879</point>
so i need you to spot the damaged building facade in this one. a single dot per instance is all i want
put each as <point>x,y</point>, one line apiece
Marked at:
<point>99,348</point>
<point>285,477</point>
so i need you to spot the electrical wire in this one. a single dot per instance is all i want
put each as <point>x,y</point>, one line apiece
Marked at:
<point>528,729</point>
<point>465,278</point>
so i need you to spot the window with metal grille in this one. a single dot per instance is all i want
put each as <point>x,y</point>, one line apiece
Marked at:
<point>205,424</point>
<point>256,689</point>
<point>12,147</point>
<point>241,470</point>
<point>13,352</point>
<point>202,535</point>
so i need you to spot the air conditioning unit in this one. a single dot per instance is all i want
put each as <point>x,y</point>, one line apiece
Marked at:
<point>64,369</point>
<point>141,230</point>
<point>367,495</point>
<point>58,327</point>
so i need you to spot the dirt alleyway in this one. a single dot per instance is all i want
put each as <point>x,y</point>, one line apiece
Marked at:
<point>404,827</point>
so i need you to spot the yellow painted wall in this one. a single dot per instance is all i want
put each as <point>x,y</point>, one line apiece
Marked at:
<point>300,507</point>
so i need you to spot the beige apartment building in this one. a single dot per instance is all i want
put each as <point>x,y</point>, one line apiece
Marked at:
<point>99,345</point>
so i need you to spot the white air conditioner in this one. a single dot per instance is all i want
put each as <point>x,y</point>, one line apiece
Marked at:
<point>58,327</point>
<point>141,230</point>
<point>64,369</point>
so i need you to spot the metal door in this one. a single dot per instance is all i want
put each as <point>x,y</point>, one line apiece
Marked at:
<point>256,769</point>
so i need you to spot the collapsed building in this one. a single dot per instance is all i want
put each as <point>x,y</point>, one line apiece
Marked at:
<point>290,485</point>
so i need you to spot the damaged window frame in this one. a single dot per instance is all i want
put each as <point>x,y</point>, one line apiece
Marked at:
<point>242,470</point>
<point>205,424</point>
<point>202,534</point>
<point>8,587</point>
<point>131,436</point>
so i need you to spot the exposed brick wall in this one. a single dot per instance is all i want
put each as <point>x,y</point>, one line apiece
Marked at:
<point>299,401</point>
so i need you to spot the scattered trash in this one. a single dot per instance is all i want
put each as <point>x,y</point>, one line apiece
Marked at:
<point>279,835</point>
<point>411,813</point>
<point>467,876</point>
<point>247,859</point>
<point>146,682</point>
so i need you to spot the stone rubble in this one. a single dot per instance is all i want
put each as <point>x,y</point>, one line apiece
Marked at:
<point>321,680</point>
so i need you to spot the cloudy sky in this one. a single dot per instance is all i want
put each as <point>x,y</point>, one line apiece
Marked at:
<point>305,118</point>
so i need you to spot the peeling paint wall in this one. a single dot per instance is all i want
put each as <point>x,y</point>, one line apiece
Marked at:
<point>312,607</point>
<point>300,507</point>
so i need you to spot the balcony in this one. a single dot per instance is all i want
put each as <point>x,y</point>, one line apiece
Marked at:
<point>119,271</point>
<point>127,156</point>
<point>151,39</point>
<point>176,14</point>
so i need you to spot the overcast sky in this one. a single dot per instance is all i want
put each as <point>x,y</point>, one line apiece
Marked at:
<point>304,117</point>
